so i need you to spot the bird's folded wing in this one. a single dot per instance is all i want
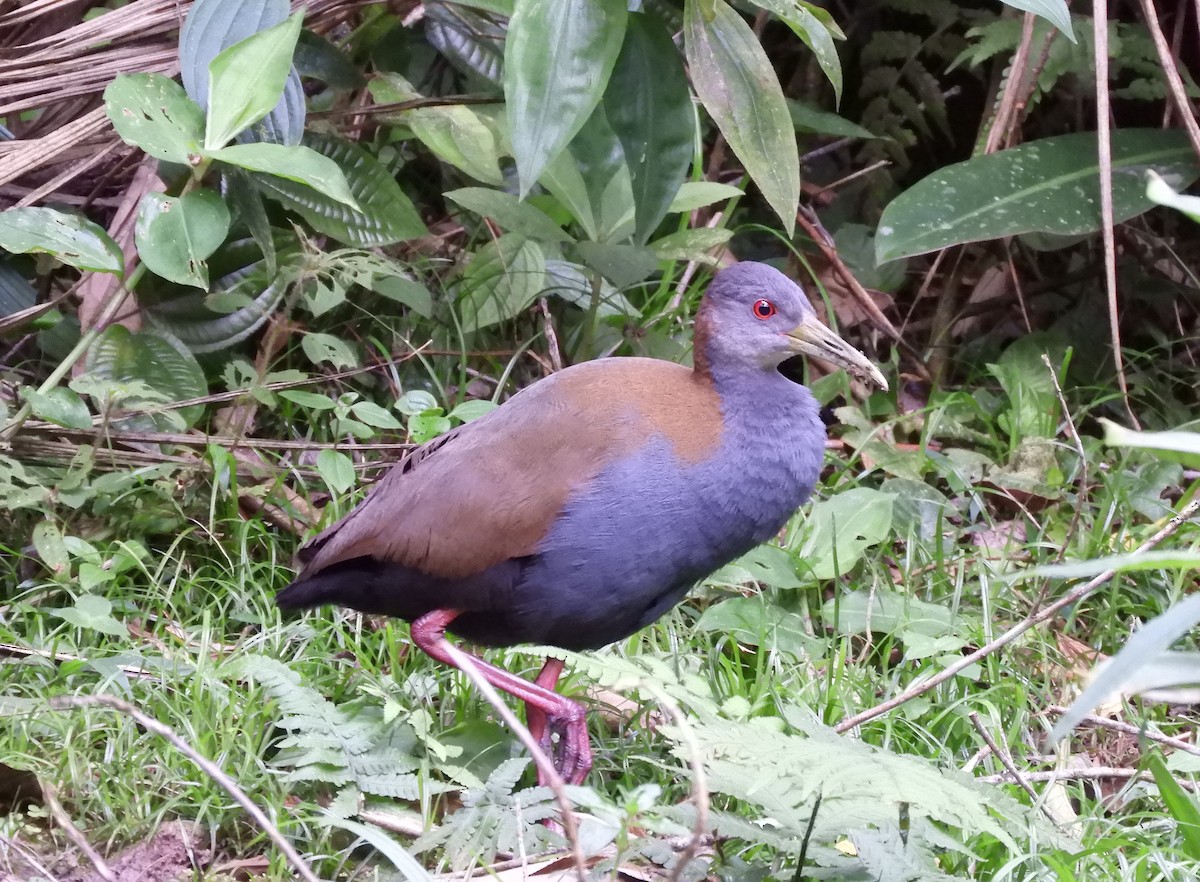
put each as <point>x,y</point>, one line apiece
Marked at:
<point>490,490</point>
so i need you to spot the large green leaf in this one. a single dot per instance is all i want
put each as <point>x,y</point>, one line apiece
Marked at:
<point>296,163</point>
<point>737,84</point>
<point>159,362</point>
<point>1054,11</point>
<point>175,235</point>
<point>501,280</point>
<point>61,406</point>
<point>565,181</point>
<point>814,33</point>
<point>649,107</point>
<point>68,237</point>
<point>471,41</point>
<point>557,61</point>
<point>510,213</point>
<point>153,112</point>
<point>1046,186</point>
<point>384,214</point>
<point>215,25</point>
<point>600,159</point>
<point>839,530</point>
<point>246,80</point>
<point>454,132</point>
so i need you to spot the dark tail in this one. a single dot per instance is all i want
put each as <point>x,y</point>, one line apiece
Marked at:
<point>304,593</point>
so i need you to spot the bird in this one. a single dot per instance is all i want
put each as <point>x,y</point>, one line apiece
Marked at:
<point>588,504</point>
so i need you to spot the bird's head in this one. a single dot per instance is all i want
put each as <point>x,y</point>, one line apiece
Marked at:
<point>753,314</point>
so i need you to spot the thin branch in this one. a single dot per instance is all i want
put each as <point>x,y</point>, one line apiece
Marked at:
<point>1050,612</point>
<point>50,798</point>
<point>1104,158</point>
<point>1006,760</point>
<point>1096,773</point>
<point>1130,729</point>
<point>73,702</point>
<point>1170,67</point>
<point>1006,111</point>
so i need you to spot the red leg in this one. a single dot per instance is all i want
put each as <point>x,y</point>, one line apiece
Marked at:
<point>539,726</point>
<point>574,758</point>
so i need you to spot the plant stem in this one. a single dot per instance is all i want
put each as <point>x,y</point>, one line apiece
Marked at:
<point>107,314</point>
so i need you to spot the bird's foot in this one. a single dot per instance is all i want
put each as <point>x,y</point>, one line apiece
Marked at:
<point>572,754</point>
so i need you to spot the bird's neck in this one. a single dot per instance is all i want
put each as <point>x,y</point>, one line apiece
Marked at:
<point>753,397</point>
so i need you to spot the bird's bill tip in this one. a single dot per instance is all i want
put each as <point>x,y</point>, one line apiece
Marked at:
<point>812,338</point>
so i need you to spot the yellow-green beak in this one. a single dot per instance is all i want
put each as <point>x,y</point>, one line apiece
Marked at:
<point>812,338</point>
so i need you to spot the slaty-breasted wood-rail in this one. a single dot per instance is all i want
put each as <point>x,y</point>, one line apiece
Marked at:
<point>590,503</point>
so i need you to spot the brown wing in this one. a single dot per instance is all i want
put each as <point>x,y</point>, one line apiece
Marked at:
<point>490,490</point>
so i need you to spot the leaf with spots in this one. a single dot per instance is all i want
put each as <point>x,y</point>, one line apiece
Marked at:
<point>1047,186</point>
<point>175,235</point>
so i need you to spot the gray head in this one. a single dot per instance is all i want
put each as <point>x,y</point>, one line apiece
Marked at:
<point>755,317</point>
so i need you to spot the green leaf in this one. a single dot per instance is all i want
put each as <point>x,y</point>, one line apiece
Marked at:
<point>93,613</point>
<point>510,213</point>
<point>1181,804</point>
<point>700,244</point>
<point>807,118</point>
<point>1054,11</point>
<point>623,265</point>
<point>153,112</point>
<point>472,409</point>
<point>312,400</point>
<point>374,415</point>
<point>574,284</point>
<point>1123,668</point>
<point>383,216</point>
<point>1176,446</point>
<point>326,347</point>
<point>68,237</point>
<point>61,406</point>
<point>755,621</point>
<point>246,80</point>
<point>162,364</point>
<point>423,427</point>
<point>50,547</point>
<point>1046,186</point>
<point>697,194</point>
<point>299,163</point>
<point>1160,192</point>
<point>409,867</point>
<point>412,294</point>
<point>814,33</point>
<point>600,160</point>
<point>455,133</point>
<point>738,87</point>
<point>500,282</point>
<point>565,182</point>
<point>649,107</point>
<point>557,61</point>
<point>840,529</point>
<point>416,401</point>
<point>336,470</point>
<point>886,612</point>
<point>214,25</point>
<point>175,235</point>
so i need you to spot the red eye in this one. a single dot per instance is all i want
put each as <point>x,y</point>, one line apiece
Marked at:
<point>763,309</point>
